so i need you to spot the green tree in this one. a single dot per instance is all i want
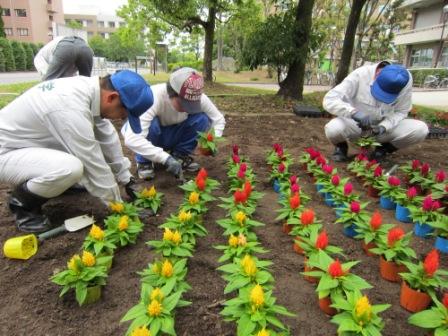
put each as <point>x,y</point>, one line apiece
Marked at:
<point>35,48</point>
<point>98,45</point>
<point>29,56</point>
<point>6,48</point>
<point>74,24</point>
<point>2,24</point>
<point>19,55</point>
<point>2,62</point>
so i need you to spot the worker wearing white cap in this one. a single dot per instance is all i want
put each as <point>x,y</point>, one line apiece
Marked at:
<point>57,134</point>
<point>170,126</point>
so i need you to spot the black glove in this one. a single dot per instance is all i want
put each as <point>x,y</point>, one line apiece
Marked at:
<point>378,130</point>
<point>131,189</point>
<point>173,166</point>
<point>363,120</point>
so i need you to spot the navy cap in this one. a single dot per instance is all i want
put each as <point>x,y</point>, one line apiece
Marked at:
<point>135,95</point>
<point>389,83</point>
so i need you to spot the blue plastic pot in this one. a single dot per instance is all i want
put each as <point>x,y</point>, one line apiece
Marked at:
<point>350,231</point>
<point>387,203</point>
<point>276,185</point>
<point>402,214</point>
<point>319,187</point>
<point>339,208</point>
<point>329,200</point>
<point>422,230</point>
<point>441,244</point>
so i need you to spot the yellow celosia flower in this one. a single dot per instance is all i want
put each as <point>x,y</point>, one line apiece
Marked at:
<point>96,232</point>
<point>184,216</point>
<point>363,309</point>
<point>168,234</point>
<point>88,259</point>
<point>141,331</point>
<point>157,294</point>
<point>240,217</point>
<point>247,258</point>
<point>123,224</point>
<point>177,238</point>
<point>249,267</point>
<point>263,332</point>
<point>167,269</point>
<point>233,241</point>
<point>116,207</point>
<point>154,308</point>
<point>151,193</point>
<point>257,296</point>
<point>242,241</point>
<point>72,265</point>
<point>193,198</point>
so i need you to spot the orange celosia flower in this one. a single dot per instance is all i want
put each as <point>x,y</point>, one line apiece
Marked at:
<point>322,240</point>
<point>209,137</point>
<point>294,201</point>
<point>335,269</point>
<point>375,221</point>
<point>200,183</point>
<point>445,300</point>
<point>202,174</point>
<point>247,188</point>
<point>431,263</point>
<point>394,235</point>
<point>307,217</point>
<point>239,196</point>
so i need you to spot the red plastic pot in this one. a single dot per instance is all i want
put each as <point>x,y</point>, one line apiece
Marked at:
<point>413,300</point>
<point>389,270</point>
<point>205,151</point>
<point>373,192</point>
<point>308,278</point>
<point>324,305</point>
<point>296,246</point>
<point>286,228</point>
<point>367,247</point>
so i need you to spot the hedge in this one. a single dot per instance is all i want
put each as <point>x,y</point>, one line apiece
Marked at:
<point>6,48</point>
<point>198,65</point>
<point>419,75</point>
<point>19,55</point>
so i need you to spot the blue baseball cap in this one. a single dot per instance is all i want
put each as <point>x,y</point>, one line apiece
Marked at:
<point>135,95</point>
<point>389,83</point>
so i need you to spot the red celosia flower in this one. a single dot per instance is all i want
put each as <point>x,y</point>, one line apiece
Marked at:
<point>307,217</point>
<point>378,171</point>
<point>241,174</point>
<point>348,188</point>
<point>415,164</point>
<point>328,169</point>
<point>394,235</point>
<point>209,137</point>
<point>294,201</point>
<point>355,207</point>
<point>200,183</point>
<point>202,173</point>
<point>446,188</point>
<point>427,203</point>
<point>431,263</point>
<point>243,167</point>
<point>440,176</point>
<point>335,269</point>
<point>247,188</point>
<point>371,163</point>
<point>361,157</point>
<point>235,158</point>
<point>239,196</point>
<point>293,179</point>
<point>435,205</point>
<point>445,300</point>
<point>424,170</point>
<point>312,152</point>
<point>335,179</point>
<point>393,181</point>
<point>320,160</point>
<point>295,188</point>
<point>276,146</point>
<point>281,167</point>
<point>280,153</point>
<point>411,192</point>
<point>235,149</point>
<point>322,240</point>
<point>375,221</point>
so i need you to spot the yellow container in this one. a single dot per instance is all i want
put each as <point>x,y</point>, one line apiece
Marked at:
<point>23,247</point>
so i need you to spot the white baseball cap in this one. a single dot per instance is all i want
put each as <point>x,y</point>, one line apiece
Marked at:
<point>189,85</point>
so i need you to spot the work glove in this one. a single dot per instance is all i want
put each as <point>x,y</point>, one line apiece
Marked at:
<point>363,120</point>
<point>131,189</point>
<point>173,166</point>
<point>378,130</point>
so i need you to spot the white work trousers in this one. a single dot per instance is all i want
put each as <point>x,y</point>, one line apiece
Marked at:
<point>49,172</point>
<point>408,132</point>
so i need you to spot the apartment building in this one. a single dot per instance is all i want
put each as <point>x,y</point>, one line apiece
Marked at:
<point>31,20</point>
<point>425,41</point>
<point>100,24</point>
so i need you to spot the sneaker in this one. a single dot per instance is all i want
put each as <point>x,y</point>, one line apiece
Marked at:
<point>187,163</point>
<point>145,171</point>
<point>340,152</point>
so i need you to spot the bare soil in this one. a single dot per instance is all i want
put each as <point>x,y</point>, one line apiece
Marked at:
<point>30,303</point>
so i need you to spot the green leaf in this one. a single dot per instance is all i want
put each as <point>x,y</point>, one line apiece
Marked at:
<point>429,319</point>
<point>168,326</point>
<point>245,326</point>
<point>134,312</point>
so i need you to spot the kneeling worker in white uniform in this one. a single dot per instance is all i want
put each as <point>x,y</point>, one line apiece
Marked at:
<point>57,134</point>
<point>374,98</point>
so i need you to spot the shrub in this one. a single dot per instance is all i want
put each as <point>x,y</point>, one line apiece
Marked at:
<point>2,62</point>
<point>6,47</point>
<point>29,56</point>
<point>419,75</point>
<point>19,55</point>
<point>198,65</point>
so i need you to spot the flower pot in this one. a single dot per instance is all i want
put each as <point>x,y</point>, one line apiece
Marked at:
<point>387,203</point>
<point>349,231</point>
<point>422,230</point>
<point>324,305</point>
<point>413,300</point>
<point>296,247</point>
<point>319,187</point>
<point>402,214</point>
<point>367,247</point>
<point>286,228</point>
<point>308,278</point>
<point>205,151</point>
<point>372,192</point>
<point>441,244</point>
<point>276,185</point>
<point>329,199</point>
<point>22,247</point>
<point>389,270</point>
<point>93,294</point>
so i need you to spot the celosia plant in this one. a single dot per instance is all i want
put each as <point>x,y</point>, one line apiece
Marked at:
<point>390,188</point>
<point>99,241</point>
<point>188,223</point>
<point>124,209</point>
<point>354,213</point>
<point>202,184</point>
<point>207,142</point>
<point>239,223</point>
<point>237,246</point>
<point>171,245</point>
<point>366,143</point>
<point>305,224</point>
<point>357,316</point>
<point>318,241</point>
<point>278,155</point>
<point>239,201</point>
<point>427,212</point>
<point>195,202</point>
<point>166,271</point>
<point>82,272</point>
<point>435,318</point>
<point>292,208</point>
<point>124,229</point>
<point>394,246</point>
<point>371,231</point>
<point>422,176</point>
<point>408,198</point>
<point>149,199</point>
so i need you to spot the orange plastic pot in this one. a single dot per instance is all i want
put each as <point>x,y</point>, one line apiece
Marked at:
<point>367,247</point>
<point>205,151</point>
<point>373,192</point>
<point>296,246</point>
<point>413,300</point>
<point>324,305</point>
<point>286,228</point>
<point>389,270</point>
<point>308,278</point>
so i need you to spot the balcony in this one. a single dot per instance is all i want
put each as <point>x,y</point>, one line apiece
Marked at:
<point>419,3</point>
<point>421,35</point>
<point>51,8</point>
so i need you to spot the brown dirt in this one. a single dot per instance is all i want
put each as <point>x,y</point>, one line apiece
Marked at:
<point>30,302</point>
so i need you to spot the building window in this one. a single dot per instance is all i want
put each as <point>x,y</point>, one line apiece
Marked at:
<point>6,12</point>
<point>8,31</point>
<point>100,23</point>
<point>22,31</point>
<point>111,24</point>
<point>20,12</point>
<point>50,17</point>
<point>421,58</point>
<point>444,58</point>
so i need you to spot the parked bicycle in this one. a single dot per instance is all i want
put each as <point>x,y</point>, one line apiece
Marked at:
<point>434,82</point>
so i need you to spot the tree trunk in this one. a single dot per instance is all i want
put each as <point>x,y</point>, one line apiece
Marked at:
<point>219,43</point>
<point>209,28</point>
<point>292,86</point>
<point>349,40</point>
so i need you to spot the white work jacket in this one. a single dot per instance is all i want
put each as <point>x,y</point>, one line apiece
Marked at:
<point>164,110</point>
<point>353,95</point>
<point>64,114</point>
<point>45,55</point>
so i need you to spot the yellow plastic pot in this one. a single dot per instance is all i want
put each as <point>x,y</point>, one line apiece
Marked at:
<point>23,247</point>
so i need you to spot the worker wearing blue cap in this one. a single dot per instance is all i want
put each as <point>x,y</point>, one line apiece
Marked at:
<point>374,99</point>
<point>58,134</point>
